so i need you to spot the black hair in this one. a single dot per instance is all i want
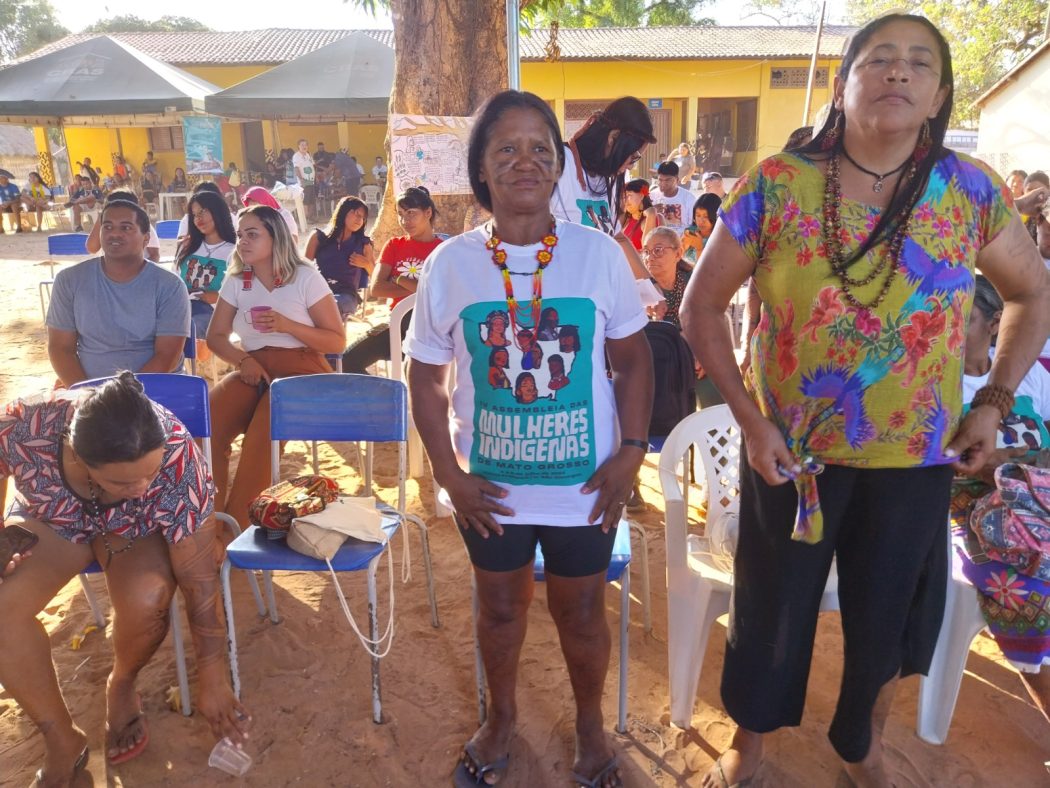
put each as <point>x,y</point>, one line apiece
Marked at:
<point>141,217</point>
<point>124,195</point>
<point>641,186</point>
<point>494,351</point>
<point>710,203</point>
<point>1039,177</point>
<point>570,332</point>
<point>335,226</point>
<point>220,214</point>
<point>205,186</point>
<point>799,137</point>
<point>667,168</point>
<point>417,197</point>
<point>1021,173</point>
<point>116,422</point>
<point>905,195</point>
<point>631,119</point>
<point>986,298</point>
<point>545,315</point>
<point>490,112</point>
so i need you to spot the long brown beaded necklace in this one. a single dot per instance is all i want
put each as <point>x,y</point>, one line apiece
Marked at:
<point>837,257</point>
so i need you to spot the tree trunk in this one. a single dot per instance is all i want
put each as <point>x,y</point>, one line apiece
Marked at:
<point>449,56</point>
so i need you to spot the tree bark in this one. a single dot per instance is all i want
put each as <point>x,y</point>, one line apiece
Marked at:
<point>449,56</point>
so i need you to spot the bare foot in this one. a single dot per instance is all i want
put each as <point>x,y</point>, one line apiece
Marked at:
<point>62,758</point>
<point>871,772</point>
<point>488,745</point>
<point>125,723</point>
<point>593,754</point>
<point>738,763</point>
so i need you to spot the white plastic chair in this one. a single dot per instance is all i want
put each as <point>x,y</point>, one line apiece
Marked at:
<point>939,691</point>
<point>370,195</point>
<point>397,372</point>
<point>699,584</point>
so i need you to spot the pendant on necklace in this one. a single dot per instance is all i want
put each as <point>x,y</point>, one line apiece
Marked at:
<point>877,186</point>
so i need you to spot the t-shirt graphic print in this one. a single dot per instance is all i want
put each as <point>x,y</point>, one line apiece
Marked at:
<point>532,423</point>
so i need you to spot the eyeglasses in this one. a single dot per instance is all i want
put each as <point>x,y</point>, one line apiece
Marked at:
<point>920,67</point>
<point>657,251</point>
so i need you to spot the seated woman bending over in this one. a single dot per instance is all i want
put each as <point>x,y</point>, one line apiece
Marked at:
<point>399,267</point>
<point>286,317</point>
<point>345,255</point>
<point>91,489</point>
<point>1004,594</point>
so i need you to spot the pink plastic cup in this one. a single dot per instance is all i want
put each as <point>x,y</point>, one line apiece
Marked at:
<point>256,310</point>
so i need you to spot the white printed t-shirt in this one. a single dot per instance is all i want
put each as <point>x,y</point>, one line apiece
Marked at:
<point>517,420</point>
<point>677,211</point>
<point>587,206</point>
<point>293,300</point>
<point>304,162</point>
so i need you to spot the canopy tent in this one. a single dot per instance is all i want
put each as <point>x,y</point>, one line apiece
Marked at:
<point>349,79</point>
<point>99,82</point>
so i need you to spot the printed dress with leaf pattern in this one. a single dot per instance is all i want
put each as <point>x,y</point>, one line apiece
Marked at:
<point>878,388</point>
<point>32,430</point>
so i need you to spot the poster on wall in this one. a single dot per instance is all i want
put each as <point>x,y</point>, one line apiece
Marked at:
<point>430,151</point>
<point>202,138</point>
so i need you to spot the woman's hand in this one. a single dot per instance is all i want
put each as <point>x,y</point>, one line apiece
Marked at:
<point>974,442</point>
<point>613,480</point>
<point>475,500</point>
<point>767,452</point>
<point>252,372</point>
<point>276,321</point>
<point>16,559</point>
<point>658,312</point>
<point>995,459</point>
<point>360,261</point>
<point>224,713</point>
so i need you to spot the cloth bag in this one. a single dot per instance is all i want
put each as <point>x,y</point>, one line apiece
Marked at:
<point>321,534</point>
<point>1012,523</point>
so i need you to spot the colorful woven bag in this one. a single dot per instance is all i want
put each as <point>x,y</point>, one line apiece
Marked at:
<point>276,506</point>
<point>1012,523</point>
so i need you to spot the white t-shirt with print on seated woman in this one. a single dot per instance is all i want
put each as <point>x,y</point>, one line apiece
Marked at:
<point>293,300</point>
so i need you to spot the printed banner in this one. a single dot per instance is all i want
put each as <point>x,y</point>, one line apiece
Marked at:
<point>533,402</point>
<point>202,139</point>
<point>430,151</point>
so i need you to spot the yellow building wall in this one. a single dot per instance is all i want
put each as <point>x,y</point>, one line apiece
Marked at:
<point>226,76</point>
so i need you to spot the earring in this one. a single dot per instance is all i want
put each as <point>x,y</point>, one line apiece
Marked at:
<point>831,139</point>
<point>925,143</point>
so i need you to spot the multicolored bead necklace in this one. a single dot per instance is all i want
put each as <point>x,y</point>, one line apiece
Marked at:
<point>890,260</point>
<point>543,258</point>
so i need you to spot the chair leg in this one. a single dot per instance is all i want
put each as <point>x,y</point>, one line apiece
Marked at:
<point>92,600</point>
<point>45,288</point>
<point>180,655</point>
<point>479,665</point>
<point>647,611</point>
<point>253,583</point>
<point>693,605</point>
<point>231,629</point>
<point>939,691</point>
<point>373,633</point>
<point>424,536</point>
<point>625,615</point>
<point>270,598</point>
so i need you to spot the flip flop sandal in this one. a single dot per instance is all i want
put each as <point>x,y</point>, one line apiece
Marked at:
<point>138,747</point>
<point>462,777</point>
<point>78,767</point>
<point>595,782</point>
<point>725,783</point>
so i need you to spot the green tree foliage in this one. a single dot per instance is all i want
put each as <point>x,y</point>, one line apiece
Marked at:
<point>26,25</point>
<point>614,13</point>
<point>129,23</point>
<point>987,37</point>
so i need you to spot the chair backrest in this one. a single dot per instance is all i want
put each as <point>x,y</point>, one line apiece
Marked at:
<point>168,229</point>
<point>184,395</point>
<point>338,407</point>
<point>397,314</point>
<point>716,435</point>
<point>67,243</point>
<point>370,193</point>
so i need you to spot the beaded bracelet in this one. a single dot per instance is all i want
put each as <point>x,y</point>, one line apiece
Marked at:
<point>995,395</point>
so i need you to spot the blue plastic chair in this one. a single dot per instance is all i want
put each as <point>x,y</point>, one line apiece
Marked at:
<point>187,397</point>
<point>189,352</point>
<point>332,407</point>
<point>59,245</point>
<point>168,229</point>
<point>619,566</point>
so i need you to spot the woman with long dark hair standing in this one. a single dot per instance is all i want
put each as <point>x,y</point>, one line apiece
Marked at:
<point>345,255</point>
<point>863,245</point>
<point>204,253</point>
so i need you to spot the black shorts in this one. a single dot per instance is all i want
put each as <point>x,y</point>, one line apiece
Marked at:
<point>568,551</point>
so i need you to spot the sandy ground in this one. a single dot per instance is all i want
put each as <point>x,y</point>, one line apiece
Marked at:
<point>306,679</point>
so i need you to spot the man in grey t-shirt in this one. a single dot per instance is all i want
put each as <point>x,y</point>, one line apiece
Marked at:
<point>118,311</point>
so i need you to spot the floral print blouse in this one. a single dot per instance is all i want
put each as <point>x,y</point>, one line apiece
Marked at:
<point>877,388</point>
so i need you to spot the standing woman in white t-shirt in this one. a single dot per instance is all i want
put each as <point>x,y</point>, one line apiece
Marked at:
<point>286,317</point>
<point>590,190</point>
<point>551,461</point>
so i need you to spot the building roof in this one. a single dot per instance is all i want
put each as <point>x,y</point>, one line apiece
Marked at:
<point>279,45</point>
<point>1014,73</point>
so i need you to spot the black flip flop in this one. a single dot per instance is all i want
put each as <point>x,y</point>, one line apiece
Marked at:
<point>462,777</point>
<point>78,766</point>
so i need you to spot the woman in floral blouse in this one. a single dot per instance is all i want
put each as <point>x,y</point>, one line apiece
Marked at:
<point>863,245</point>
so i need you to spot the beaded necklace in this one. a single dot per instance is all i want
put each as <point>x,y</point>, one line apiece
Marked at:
<point>832,232</point>
<point>543,258</point>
